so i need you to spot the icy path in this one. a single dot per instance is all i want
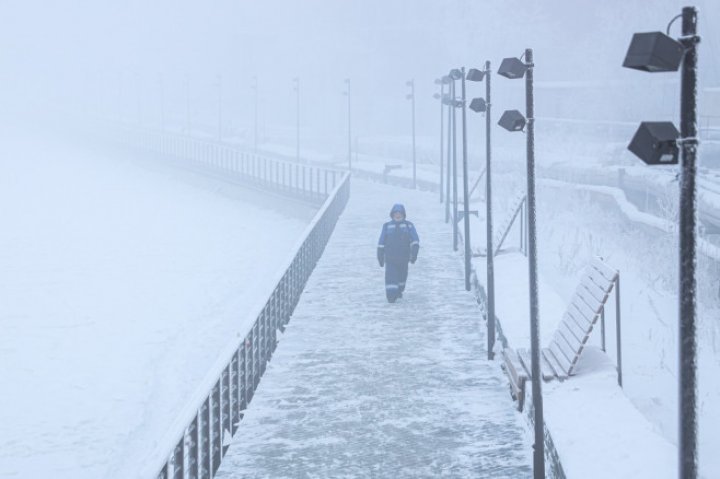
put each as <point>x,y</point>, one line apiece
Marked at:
<point>362,388</point>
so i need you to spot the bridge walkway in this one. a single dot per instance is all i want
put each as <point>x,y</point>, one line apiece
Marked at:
<point>359,387</point>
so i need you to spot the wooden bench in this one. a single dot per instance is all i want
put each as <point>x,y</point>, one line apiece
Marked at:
<point>559,359</point>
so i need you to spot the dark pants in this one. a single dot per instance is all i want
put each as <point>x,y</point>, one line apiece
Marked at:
<point>395,277</point>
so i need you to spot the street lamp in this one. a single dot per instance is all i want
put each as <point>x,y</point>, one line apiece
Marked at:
<point>658,143</point>
<point>482,105</point>
<point>454,75</point>
<point>219,112</point>
<point>514,68</point>
<point>411,96</point>
<point>466,199</point>
<point>439,96</point>
<point>296,87</point>
<point>347,93</point>
<point>256,91</point>
<point>187,105</point>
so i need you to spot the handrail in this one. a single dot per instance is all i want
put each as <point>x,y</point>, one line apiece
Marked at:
<point>197,440</point>
<point>307,182</point>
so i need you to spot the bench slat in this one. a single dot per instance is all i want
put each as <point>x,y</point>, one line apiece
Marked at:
<point>604,269</point>
<point>550,359</point>
<point>546,371</point>
<point>562,352</point>
<point>579,316</point>
<point>569,340</point>
<point>560,359</point>
<point>601,281</point>
<point>593,304</point>
<point>583,309</point>
<point>568,324</point>
<point>598,293</point>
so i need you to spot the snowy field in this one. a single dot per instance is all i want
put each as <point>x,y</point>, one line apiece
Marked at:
<point>120,283</point>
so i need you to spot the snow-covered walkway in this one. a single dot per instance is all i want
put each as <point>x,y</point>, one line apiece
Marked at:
<point>362,388</point>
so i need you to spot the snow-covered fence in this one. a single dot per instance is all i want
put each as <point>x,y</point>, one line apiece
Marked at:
<point>195,445</point>
<point>303,181</point>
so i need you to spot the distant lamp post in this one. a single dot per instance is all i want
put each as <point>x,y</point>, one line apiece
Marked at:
<point>482,105</point>
<point>446,100</point>
<point>411,96</point>
<point>296,87</point>
<point>219,110</point>
<point>466,199</point>
<point>513,120</point>
<point>256,90</point>
<point>455,103</point>
<point>347,93</point>
<point>658,143</point>
<point>439,96</point>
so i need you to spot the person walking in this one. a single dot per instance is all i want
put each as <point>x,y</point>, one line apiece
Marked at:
<point>399,244</point>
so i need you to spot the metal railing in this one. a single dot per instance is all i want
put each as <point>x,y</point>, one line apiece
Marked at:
<point>197,442</point>
<point>308,182</point>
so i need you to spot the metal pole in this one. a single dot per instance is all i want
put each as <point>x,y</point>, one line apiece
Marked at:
<point>161,83</point>
<point>617,331</point>
<point>349,127</point>
<point>412,95</point>
<point>442,139</point>
<point>466,206</point>
<point>490,256</point>
<point>454,171</point>
<point>447,161</point>
<point>257,93</point>
<point>539,447</point>
<point>297,139</point>
<point>219,79</point>
<point>187,105</point>
<point>688,257</point>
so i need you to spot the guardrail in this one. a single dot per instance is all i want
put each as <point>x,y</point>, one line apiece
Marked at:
<point>308,182</point>
<point>195,445</point>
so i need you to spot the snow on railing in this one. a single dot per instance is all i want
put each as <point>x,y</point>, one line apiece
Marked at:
<point>196,442</point>
<point>312,183</point>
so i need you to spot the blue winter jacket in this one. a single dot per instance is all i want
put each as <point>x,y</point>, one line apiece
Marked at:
<point>399,242</point>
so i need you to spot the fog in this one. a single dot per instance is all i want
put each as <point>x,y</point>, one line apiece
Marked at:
<point>140,61</point>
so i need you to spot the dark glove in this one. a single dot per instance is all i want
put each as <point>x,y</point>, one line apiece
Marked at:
<point>381,256</point>
<point>414,252</point>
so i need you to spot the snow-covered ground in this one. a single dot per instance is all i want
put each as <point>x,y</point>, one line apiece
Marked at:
<point>121,281</point>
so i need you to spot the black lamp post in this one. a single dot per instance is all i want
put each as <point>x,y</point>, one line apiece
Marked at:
<point>447,101</point>
<point>256,91</point>
<point>296,87</point>
<point>439,96</point>
<point>466,199</point>
<point>454,103</point>
<point>411,96</point>
<point>161,86</point>
<point>514,68</point>
<point>187,105</point>
<point>219,111</point>
<point>657,143</point>
<point>480,105</point>
<point>347,93</point>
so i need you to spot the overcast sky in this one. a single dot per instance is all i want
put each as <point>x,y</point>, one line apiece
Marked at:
<point>119,55</point>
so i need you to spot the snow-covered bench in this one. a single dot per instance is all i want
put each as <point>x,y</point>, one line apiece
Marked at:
<point>560,358</point>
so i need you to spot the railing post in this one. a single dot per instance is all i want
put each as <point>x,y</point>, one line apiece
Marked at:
<point>602,329</point>
<point>617,329</point>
